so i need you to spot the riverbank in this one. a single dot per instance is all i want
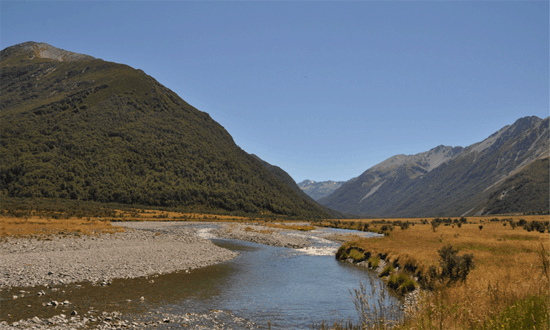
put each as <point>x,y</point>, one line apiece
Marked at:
<point>506,286</point>
<point>44,272</point>
<point>214,297</point>
<point>261,235</point>
<point>214,320</point>
<point>143,249</point>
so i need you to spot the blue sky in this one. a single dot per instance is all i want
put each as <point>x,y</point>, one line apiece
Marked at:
<point>325,90</point>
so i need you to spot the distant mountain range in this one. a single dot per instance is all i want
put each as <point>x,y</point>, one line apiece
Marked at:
<point>318,190</point>
<point>507,172</point>
<point>77,127</point>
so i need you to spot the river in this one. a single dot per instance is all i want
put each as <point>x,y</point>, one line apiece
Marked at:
<point>286,288</point>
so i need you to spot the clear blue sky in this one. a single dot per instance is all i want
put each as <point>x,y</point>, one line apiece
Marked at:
<point>325,90</point>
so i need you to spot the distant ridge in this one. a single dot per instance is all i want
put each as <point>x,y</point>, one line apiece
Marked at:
<point>287,179</point>
<point>318,190</point>
<point>77,127</point>
<point>456,181</point>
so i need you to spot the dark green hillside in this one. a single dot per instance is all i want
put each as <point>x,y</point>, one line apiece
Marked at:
<point>284,177</point>
<point>526,190</point>
<point>88,129</point>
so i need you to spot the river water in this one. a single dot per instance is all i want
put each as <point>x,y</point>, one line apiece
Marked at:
<point>287,288</point>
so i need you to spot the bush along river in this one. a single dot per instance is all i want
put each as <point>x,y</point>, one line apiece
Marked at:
<point>264,286</point>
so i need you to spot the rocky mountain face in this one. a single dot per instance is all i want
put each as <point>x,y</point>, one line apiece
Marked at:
<point>318,190</point>
<point>447,181</point>
<point>77,127</point>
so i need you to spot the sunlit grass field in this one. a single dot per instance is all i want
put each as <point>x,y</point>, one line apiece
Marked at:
<point>27,222</point>
<point>36,227</point>
<point>35,223</point>
<point>507,289</point>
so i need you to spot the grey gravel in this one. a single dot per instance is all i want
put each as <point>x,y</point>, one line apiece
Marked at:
<point>157,248</point>
<point>214,319</point>
<point>262,235</point>
<point>146,248</point>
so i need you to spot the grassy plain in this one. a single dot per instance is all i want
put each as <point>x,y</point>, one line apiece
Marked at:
<point>37,226</point>
<point>35,223</point>
<point>507,289</point>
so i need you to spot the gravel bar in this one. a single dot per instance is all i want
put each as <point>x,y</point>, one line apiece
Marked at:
<point>144,249</point>
<point>212,320</point>
<point>262,235</point>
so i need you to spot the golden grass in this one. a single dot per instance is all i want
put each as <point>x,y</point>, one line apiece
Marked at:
<point>36,226</point>
<point>289,227</point>
<point>474,219</point>
<point>43,224</point>
<point>157,215</point>
<point>508,267</point>
<point>261,231</point>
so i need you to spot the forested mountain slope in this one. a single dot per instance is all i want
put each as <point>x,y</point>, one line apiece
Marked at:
<point>77,127</point>
<point>284,177</point>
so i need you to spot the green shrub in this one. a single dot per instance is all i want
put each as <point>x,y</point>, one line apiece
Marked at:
<point>387,271</point>
<point>356,255</point>
<point>454,268</point>
<point>435,223</point>
<point>393,282</point>
<point>374,262</point>
<point>401,283</point>
<point>407,286</point>
<point>402,278</point>
<point>341,253</point>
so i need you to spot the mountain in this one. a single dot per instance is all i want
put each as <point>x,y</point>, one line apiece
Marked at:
<point>525,191</point>
<point>284,177</point>
<point>447,181</point>
<point>77,127</point>
<point>318,190</point>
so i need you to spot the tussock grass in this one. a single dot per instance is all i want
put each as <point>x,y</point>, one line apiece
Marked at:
<point>35,226</point>
<point>261,231</point>
<point>356,255</point>
<point>66,220</point>
<point>388,270</point>
<point>511,273</point>
<point>290,227</point>
<point>374,262</point>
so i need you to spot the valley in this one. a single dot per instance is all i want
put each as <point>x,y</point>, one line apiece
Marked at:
<point>123,206</point>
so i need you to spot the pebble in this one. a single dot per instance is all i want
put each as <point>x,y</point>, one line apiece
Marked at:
<point>132,254</point>
<point>214,320</point>
<point>275,237</point>
<point>144,249</point>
